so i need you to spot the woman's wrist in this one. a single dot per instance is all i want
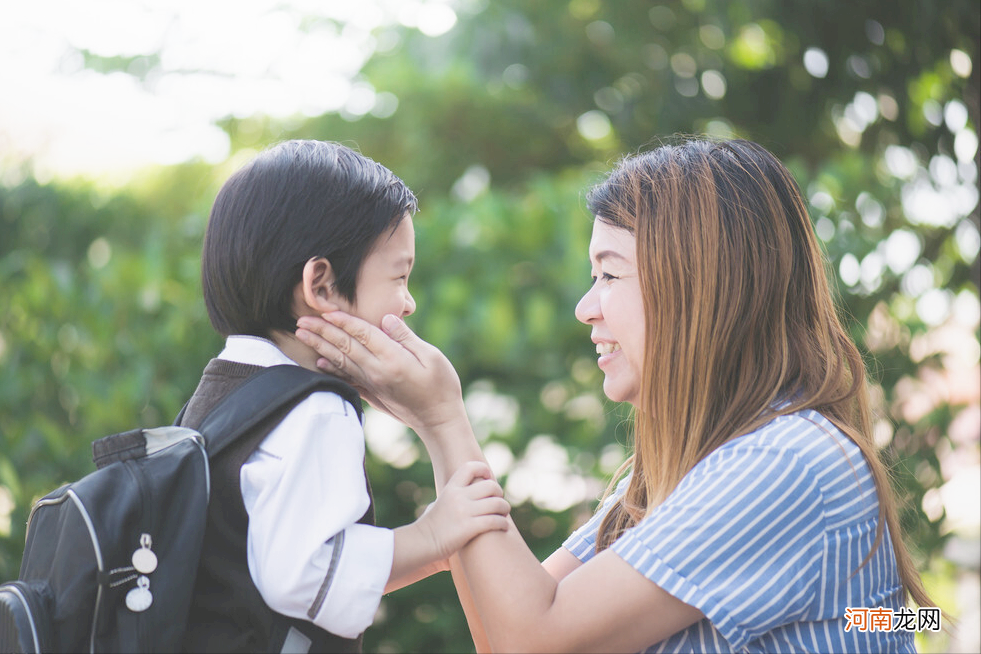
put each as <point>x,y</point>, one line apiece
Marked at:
<point>446,428</point>
<point>437,422</point>
<point>449,454</point>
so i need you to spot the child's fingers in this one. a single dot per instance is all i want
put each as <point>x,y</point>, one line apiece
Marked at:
<point>484,488</point>
<point>470,471</point>
<point>489,522</point>
<point>474,509</point>
<point>492,506</point>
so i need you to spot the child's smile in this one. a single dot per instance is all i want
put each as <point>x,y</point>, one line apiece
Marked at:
<point>383,281</point>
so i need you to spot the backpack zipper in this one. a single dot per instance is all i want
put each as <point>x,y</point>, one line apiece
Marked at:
<point>98,559</point>
<point>15,590</point>
<point>148,518</point>
<point>44,502</point>
<point>70,494</point>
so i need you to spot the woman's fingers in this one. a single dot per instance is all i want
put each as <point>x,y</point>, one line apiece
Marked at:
<point>355,332</point>
<point>355,329</point>
<point>398,331</point>
<point>413,380</point>
<point>341,354</point>
<point>333,342</point>
<point>345,339</point>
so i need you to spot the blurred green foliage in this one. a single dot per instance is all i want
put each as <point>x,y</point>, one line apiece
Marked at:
<point>501,125</point>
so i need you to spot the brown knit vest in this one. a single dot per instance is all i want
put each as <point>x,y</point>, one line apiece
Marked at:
<point>227,612</point>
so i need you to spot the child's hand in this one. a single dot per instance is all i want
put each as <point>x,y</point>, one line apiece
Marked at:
<point>471,503</point>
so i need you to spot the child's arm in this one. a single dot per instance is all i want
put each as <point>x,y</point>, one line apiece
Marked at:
<point>470,503</point>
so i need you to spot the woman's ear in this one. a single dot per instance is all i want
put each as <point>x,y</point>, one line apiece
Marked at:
<point>318,286</point>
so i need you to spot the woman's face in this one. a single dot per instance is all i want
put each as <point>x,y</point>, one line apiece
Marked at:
<point>614,308</point>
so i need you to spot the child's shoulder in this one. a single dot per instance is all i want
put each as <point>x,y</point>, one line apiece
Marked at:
<point>321,406</point>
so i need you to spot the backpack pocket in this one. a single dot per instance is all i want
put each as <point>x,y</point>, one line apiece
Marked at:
<point>25,617</point>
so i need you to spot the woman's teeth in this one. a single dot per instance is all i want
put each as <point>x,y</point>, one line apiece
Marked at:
<point>607,348</point>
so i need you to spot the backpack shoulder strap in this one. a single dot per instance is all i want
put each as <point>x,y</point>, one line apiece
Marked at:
<point>263,394</point>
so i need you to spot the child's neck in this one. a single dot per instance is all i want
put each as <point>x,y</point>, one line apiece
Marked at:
<point>294,349</point>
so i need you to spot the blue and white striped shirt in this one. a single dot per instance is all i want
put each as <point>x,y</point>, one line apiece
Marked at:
<point>763,536</point>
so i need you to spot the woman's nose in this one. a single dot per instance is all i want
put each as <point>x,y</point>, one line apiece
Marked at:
<point>588,309</point>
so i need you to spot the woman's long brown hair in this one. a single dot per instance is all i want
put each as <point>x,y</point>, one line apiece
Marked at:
<point>739,319</point>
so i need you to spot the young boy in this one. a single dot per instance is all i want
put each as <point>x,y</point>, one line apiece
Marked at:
<point>292,559</point>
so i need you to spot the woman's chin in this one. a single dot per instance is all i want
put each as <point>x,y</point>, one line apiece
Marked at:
<point>619,392</point>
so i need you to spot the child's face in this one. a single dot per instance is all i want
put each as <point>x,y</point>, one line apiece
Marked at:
<point>383,281</point>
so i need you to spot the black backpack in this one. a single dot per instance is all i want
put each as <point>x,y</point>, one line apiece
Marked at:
<point>110,560</point>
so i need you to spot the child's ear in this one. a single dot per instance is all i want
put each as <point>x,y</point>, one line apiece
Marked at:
<point>318,285</point>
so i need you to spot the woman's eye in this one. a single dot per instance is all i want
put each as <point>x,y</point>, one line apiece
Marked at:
<point>606,277</point>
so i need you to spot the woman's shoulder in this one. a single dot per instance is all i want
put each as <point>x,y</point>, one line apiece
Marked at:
<point>807,434</point>
<point>780,452</point>
<point>804,443</point>
<point>809,445</point>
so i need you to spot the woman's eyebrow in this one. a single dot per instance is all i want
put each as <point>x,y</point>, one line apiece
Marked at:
<point>609,254</point>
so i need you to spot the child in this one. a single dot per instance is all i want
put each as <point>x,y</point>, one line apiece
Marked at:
<point>292,559</point>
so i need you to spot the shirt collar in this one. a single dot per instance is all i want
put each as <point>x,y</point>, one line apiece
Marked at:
<point>253,350</point>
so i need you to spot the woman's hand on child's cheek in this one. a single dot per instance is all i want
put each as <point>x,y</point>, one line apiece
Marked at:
<point>412,380</point>
<point>325,339</point>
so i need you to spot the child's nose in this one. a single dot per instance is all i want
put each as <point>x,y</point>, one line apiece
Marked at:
<point>410,305</point>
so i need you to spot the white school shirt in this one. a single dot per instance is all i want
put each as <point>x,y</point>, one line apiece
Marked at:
<point>763,536</point>
<point>304,489</point>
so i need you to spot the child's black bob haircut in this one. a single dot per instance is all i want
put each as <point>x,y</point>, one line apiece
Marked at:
<point>294,202</point>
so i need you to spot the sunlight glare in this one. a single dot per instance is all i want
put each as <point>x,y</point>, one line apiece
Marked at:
<point>204,61</point>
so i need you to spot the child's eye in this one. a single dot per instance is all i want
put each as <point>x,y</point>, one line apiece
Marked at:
<point>606,277</point>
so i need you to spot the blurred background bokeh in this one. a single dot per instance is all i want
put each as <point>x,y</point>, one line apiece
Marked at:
<point>119,120</point>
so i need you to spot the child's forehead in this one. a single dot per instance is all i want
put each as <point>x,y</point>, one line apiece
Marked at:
<point>400,261</point>
<point>395,247</point>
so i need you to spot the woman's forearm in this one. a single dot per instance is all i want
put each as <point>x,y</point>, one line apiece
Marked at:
<point>450,444</point>
<point>477,631</point>
<point>501,578</point>
<point>510,590</point>
<point>502,581</point>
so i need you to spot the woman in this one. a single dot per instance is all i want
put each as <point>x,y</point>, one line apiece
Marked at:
<point>756,514</point>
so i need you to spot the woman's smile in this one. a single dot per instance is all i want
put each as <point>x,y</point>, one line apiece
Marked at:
<point>614,307</point>
<point>607,348</point>
<point>608,354</point>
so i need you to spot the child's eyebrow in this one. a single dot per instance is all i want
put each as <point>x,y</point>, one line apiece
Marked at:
<point>403,261</point>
